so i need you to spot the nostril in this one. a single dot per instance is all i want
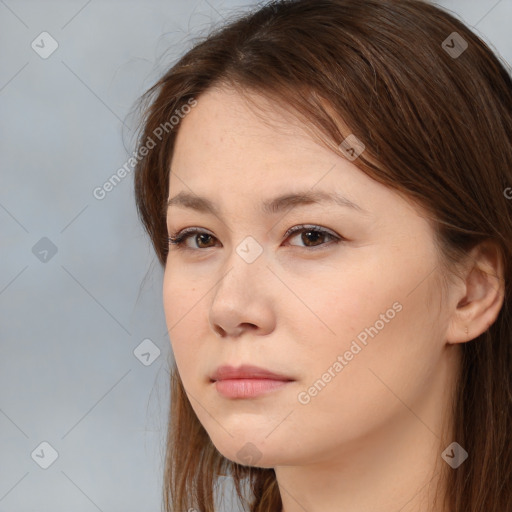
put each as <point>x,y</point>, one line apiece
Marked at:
<point>219,331</point>
<point>248,326</point>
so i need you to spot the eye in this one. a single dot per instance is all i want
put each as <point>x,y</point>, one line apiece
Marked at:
<point>182,236</point>
<point>310,235</point>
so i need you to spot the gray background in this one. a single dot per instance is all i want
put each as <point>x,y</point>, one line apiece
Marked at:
<point>70,321</point>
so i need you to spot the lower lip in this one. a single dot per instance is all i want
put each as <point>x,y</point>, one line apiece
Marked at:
<point>248,388</point>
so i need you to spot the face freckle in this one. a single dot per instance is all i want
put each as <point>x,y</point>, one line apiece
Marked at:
<point>347,322</point>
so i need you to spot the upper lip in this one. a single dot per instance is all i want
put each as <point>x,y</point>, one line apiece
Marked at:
<point>246,372</point>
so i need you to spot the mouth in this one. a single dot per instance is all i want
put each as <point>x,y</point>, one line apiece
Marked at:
<point>247,381</point>
<point>248,388</point>
<point>246,371</point>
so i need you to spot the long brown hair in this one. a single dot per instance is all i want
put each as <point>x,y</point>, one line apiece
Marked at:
<point>433,106</point>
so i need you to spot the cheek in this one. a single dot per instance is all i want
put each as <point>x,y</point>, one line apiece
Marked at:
<point>181,303</point>
<point>181,295</point>
<point>352,388</point>
<point>382,294</point>
<point>379,329</point>
<point>337,303</point>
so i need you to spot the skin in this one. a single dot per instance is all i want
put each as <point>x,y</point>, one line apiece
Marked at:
<point>371,438</point>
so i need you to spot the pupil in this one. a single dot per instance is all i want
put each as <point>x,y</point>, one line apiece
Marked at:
<point>306,237</point>
<point>202,237</point>
<point>316,234</point>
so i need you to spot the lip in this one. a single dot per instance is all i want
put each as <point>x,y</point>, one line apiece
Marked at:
<point>248,388</point>
<point>247,372</point>
<point>247,381</point>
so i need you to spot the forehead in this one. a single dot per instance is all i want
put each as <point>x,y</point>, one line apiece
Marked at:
<point>225,137</point>
<point>236,152</point>
<point>225,118</point>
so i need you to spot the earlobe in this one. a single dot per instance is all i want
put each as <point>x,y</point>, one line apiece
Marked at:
<point>481,295</point>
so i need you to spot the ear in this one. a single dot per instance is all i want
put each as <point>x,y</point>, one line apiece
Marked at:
<point>479,297</point>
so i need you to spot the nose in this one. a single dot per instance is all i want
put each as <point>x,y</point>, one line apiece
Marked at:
<point>243,298</point>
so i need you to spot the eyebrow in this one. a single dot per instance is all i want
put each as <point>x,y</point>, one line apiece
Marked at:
<point>279,204</point>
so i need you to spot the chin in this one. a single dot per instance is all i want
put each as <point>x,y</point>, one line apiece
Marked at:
<point>254,453</point>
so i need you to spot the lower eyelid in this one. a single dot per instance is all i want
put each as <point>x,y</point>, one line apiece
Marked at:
<point>329,238</point>
<point>179,240</point>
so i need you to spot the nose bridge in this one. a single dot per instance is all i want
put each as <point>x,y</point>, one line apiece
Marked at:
<point>236,302</point>
<point>249,250</point>
<point>243,268</point>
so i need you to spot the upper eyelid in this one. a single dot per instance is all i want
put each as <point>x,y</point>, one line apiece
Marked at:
<point>185,232</point>
<point>312,227</point>
<point>189,231</point>
<point>298,227</point>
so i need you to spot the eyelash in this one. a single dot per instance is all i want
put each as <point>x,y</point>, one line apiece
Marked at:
<point>178,239</point>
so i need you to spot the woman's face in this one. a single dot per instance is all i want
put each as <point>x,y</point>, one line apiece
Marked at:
<point>351,310</point>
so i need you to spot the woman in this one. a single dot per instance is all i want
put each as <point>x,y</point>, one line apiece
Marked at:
<point>325,182</point>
